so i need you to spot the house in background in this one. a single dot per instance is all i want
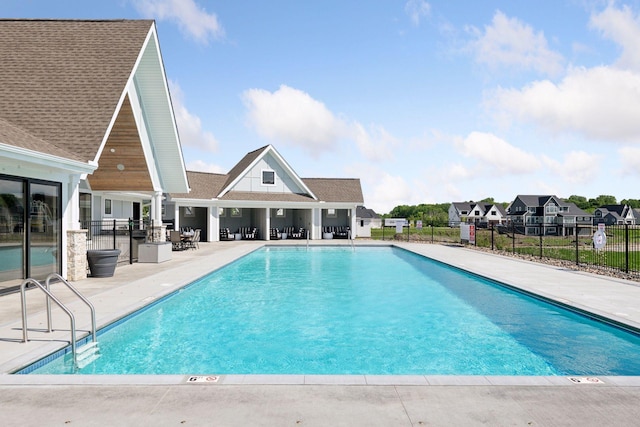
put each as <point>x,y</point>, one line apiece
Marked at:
<point>548,215</point>
<point>366,219</point>
<point>262,192</point>
<point>87,131</point>
<point>615,214</point>
<point>458,213</point>
<point>483,215</point>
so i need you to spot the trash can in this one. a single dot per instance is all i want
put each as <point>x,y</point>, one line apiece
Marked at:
<point>102,262</point>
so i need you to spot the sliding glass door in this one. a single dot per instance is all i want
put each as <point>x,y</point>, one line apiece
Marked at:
<point>30,230</point>
<point>44,220</point>
<point>12,203</point>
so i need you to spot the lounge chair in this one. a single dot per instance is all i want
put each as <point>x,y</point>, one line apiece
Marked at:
<point>225,235</point>
<point>275,234</point>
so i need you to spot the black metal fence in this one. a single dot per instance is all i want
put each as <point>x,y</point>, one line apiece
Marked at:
<point>121,234</point>
<point>575,245</point>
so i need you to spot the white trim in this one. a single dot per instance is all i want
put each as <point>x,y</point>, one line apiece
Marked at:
<point>272,184</point>
<point>280,160</point>
<point>36,157</point>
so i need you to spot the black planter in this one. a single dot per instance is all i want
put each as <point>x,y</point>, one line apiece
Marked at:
<point>102,262</point>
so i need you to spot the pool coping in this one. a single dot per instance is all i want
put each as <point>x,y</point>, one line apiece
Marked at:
<point>355,380</point>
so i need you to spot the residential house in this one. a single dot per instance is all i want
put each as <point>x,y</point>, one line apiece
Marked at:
<point>615,214</point>
<point>536,215</point>
<point>263,192</point>
<point>87,131</point>
<point>366,219</point>
<point>481,214</point>
<point>458,212</point>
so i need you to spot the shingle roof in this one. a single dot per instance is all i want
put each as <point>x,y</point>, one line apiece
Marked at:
<point>60,80</point>
<point>17,137</point>
<point>362,212</point>
<point>204,185</point>
<point>336,189</point>
<point>207,186</point>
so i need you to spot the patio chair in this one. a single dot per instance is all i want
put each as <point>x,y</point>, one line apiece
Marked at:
<point>176,241</point>
<point>191,242</point>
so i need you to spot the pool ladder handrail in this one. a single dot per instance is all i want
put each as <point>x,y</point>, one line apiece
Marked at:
<point>79,295</point>
<point>50,296</point>
<point>351,239</point>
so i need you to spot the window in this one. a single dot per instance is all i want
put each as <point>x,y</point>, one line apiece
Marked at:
<point>477,213</point>
<point>237,212</point>
<point>188,211</point>
<point>222,212</point>
<point>107,206</point>
<point>268,177</point>
<point>331,213</point>
<point>279,213</point>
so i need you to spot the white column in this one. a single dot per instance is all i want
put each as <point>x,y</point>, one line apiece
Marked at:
<point>213,224</point>
<point>176,217</point>
<point>156,208</point>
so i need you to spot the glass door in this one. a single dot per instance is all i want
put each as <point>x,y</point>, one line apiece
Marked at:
<point>12,237</point>
<point>44,230</point>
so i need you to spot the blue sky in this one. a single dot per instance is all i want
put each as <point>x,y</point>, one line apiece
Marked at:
<point>425,101</point>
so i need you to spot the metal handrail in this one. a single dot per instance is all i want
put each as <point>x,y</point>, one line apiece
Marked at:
<point>79,295</point>
<point>351,238</point>
<point>23,299</point>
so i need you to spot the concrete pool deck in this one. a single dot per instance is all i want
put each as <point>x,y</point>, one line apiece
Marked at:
<point>298,399</point>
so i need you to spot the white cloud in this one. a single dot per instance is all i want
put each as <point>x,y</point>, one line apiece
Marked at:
<point>193,20</point>
<point>496,155</point>
<point>190,125</point>
<point>512,43</point>
<point>388,192</point>
<point>578,167</point>
<point>291,116</point>
<point>600,103</point>
<point>201,166</point>
<point>622,27</point>
<point>376,144</point>
<point>630,160</point>
<point>417,9</point>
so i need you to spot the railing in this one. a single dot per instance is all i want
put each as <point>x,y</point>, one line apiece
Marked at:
<point>123,234</point>
<point>23,300</point>
<point>78,294</point>
<point>550,241</point>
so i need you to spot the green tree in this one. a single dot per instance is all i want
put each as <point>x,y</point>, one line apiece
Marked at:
<point>633,203</point>
<point>579,201</point>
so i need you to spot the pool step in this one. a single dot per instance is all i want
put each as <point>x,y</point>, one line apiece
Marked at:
<point>87,354</point>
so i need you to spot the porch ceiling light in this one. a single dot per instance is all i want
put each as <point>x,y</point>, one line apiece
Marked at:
<point>120,166</point>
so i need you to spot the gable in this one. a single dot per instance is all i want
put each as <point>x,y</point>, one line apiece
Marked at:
<point>122,163</point>
<point>252,180</point>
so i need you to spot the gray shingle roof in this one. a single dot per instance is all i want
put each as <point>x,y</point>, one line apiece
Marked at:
<point>60,80</point>
<point>17,137</point>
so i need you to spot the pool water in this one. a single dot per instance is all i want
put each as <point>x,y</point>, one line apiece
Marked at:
<point>371,310</point>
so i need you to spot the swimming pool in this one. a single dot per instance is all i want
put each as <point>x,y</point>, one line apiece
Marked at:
<point>369,311</point>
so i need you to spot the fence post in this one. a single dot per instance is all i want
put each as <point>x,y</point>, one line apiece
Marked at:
<point>626,248</point>
<point>577,246</point>
<point>541,233</point>
<point>114,234</point>
<point>492,228</point>
<point>513,236</point>
<point>431,231</point>
<point>130,241</point>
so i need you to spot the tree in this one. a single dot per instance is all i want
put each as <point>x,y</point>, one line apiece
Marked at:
<point>633,203</point>
<point>579,201</point>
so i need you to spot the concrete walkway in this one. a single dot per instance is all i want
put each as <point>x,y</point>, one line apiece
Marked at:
<point>305,400</point>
